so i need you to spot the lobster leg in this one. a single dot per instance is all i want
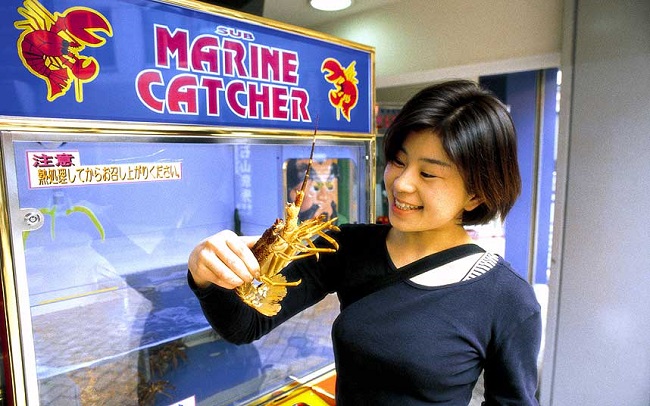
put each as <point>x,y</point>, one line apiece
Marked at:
<point>271,282</point>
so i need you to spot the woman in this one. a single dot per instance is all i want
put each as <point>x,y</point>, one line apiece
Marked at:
<point>451,162</point>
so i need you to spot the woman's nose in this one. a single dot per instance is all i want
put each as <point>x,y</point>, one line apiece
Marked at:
<point>404,181</point>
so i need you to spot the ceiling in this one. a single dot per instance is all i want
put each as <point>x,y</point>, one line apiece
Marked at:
<point>300,13</point>
<point>462,38</point>
<point>297,12</point>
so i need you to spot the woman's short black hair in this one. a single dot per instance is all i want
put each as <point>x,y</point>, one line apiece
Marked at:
<point>477,134</point>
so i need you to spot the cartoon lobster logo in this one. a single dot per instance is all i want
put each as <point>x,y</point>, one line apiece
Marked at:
<point>50,46</point>
<point>345,94</point>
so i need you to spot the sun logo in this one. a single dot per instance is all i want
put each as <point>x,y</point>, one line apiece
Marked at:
<point>50,46</point>
<point>345,94</point>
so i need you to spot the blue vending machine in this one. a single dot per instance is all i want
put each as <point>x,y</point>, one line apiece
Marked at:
<point>130,131</point>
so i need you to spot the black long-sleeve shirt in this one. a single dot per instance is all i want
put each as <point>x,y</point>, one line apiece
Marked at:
<point>406,344</point>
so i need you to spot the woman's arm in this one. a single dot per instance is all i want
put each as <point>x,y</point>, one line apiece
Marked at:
<point>224,261</point>
<point>511,368</point>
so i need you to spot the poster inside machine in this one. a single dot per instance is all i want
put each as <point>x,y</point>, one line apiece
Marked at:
<point>129,131</point>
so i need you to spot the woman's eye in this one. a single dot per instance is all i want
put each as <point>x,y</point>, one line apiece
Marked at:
<point>427,175</point>
<point>397,162</point>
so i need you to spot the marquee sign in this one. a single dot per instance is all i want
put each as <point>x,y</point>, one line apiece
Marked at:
<point>156,62</point>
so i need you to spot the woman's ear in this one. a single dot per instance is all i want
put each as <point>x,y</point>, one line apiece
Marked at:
<point>473,202</point>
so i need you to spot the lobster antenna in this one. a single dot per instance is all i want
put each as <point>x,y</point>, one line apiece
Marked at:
<point>301,194</point>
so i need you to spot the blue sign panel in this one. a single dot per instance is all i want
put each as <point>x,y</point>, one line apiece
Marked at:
<point>154,62</point>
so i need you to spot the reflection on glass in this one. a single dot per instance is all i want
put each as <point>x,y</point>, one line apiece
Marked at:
<point>328,188</point>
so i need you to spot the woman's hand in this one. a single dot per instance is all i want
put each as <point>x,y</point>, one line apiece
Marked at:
<point>224,259</point>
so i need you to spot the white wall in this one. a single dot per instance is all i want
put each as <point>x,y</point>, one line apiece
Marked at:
<point>598,350</point>
<point>420,41</point>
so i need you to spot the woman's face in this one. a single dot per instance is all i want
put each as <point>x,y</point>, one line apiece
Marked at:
<point>426,192</point>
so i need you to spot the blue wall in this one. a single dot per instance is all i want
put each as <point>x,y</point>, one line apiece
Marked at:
<point>519,91</point>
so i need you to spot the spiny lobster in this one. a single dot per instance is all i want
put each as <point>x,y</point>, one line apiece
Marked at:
<point>286,240</point>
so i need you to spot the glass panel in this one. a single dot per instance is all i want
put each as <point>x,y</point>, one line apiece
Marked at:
<point>113,318</point>
<point>329,191</point>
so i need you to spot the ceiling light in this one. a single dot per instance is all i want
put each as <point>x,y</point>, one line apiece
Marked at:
<point>330,5</point>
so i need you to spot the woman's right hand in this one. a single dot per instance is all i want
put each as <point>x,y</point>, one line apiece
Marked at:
<point>224,259</point>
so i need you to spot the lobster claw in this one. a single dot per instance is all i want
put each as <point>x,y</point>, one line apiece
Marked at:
<point>84,26</point>
<point>334,69</point>
<point>85,68</point>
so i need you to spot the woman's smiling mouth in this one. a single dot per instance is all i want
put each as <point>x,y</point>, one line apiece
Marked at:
<point>405,206</point>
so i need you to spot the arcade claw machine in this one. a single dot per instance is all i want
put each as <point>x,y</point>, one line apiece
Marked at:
<point>129,131</point>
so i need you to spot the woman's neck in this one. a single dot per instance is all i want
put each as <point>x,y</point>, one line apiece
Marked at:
<point>407,247</point>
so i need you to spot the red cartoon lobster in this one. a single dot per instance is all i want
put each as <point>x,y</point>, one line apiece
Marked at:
<point>50,45</point>
<point>345,94</point>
